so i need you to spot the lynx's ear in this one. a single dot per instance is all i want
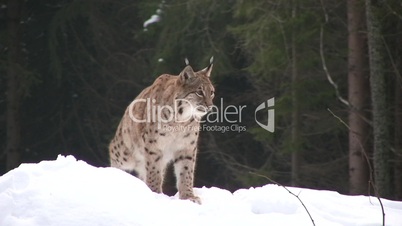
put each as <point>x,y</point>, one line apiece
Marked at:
<point>187,74</point>
<point>208,69</point>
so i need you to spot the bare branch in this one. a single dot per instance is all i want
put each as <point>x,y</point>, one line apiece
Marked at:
<point>297,196</point>
<point>371,181</point>
<point>394,66</point>
<point>392,11</point>
<point>324,66</point>
<point>340,120</point>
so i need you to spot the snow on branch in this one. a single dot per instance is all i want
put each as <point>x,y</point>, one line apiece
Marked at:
<point>324,64</point>
<point>324,67</point>
<point>156,17</point>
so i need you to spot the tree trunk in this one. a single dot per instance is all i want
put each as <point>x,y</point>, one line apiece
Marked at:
<point>13,147</point>
<point>358,95</point>
<point>398,141</point>
<point>295,132</point>
<point>381,154</point>
<point>398,121</point>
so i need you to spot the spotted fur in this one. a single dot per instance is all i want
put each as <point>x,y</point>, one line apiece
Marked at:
<point>148,147</point>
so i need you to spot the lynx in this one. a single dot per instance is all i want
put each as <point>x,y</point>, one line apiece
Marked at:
<point>161,126</point>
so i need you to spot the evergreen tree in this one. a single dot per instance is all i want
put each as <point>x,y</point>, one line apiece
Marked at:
<point>74,66</point>
<point>382,150</point>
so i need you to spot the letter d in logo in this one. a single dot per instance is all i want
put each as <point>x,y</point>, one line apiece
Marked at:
<point>271,115</point>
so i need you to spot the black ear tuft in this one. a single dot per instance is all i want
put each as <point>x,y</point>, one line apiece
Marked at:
<point>208,69</point>
<point>211,62</point>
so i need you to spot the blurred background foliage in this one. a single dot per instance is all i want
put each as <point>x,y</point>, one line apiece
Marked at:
<point>82,62</point>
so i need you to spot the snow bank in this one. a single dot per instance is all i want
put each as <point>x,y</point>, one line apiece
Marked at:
<point>71,192</point>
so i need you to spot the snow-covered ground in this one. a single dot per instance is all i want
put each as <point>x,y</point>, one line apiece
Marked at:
<point>71,192</point>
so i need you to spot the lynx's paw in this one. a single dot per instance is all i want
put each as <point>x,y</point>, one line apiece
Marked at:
<point>195,199</point>
<point>192,198</point>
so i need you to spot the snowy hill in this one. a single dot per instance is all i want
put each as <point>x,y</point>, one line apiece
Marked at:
<point>71,192</point>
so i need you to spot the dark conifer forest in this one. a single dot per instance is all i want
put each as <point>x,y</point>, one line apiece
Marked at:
<point>69,69</point>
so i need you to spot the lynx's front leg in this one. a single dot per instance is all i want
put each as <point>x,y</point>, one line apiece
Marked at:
<point>154,170</point>
<point>184,164</point>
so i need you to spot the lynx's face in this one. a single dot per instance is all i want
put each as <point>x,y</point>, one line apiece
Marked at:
<point>196,93</point>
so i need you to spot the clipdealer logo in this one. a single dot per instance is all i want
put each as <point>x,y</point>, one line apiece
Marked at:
<point>268,106</point>
<point>232,114</point>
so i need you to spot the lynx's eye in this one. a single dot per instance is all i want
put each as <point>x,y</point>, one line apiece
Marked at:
<point>199,93</point>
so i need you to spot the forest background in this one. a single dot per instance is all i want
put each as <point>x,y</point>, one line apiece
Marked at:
<point>69,68</point>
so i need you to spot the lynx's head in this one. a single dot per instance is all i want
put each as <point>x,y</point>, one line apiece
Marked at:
<point>196,92</point>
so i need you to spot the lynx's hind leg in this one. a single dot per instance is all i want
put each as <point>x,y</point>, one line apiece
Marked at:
<point>128,160</point>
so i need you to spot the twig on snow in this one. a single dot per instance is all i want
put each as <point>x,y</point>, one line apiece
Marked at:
<point>371,180</point>
<point>297,196</point>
